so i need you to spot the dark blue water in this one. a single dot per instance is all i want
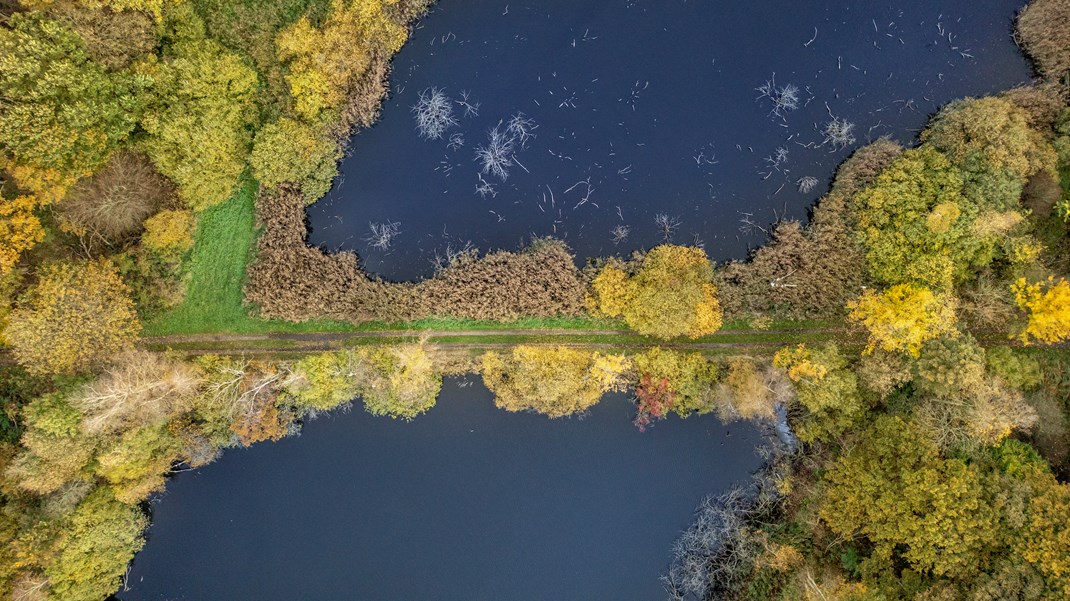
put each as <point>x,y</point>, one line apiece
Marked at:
<point>653,103</point>
<point>466,503</point>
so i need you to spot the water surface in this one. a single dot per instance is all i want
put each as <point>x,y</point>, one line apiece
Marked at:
<point>651,107</point>
<point>466,503</point>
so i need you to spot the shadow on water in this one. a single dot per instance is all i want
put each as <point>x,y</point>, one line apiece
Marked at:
<point>466,503</point>
<point>648,107</point>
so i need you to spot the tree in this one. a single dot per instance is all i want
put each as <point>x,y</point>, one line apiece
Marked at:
<point>200,122</point>
<point>990,140</point>
<point>690,376</point>
<point>139,389</point>
<point>1048,306</point>
<point>400,381</point>
<point>169,233</point>
<point>55,453</point>
<point>114,202</point>
<point>20,229</point>
<point>137,463</point>
<point>98,541</point>
<point>893,488</point>
<point>324,62</point>
<point>291,151</point>
<point>61,113</point>
<point>114,39</point>
<point>903,317</point>
<point>322,382</point>
<point>1045,540</point>
<point>77,316</point>
<point>950,366</point>
<point>915,223</point>
<point>669,295</point>
<point>826,388</point>
<point>556,381</point>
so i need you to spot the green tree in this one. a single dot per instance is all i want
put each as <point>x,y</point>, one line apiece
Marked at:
<point>76,318</point>
<point>61,113</point>
<point>826,388</point>
<point>200,124</point>
<point>669,295</point>
<point>54,451</point>
<point>291,151</point>
<point>893,488</point>
<point>915,223</point>
<point>691,377</point>
<point>98,541</point>
<point>323,381</point>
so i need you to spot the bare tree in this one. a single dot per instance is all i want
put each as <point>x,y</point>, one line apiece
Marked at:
<point>434,114</point>
<point>383,234</point>
<point>839,133</point>
<point>620,234</point>
<point>520,129</point>
<point>667,224</point>
<point>496,156</point>
<point>485,188</point>
<point>470,110</point>
<point>456,141</point>
<point>806,184</point>
<point>785,99</point>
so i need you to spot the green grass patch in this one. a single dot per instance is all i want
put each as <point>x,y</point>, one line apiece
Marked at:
<point>223,245</point>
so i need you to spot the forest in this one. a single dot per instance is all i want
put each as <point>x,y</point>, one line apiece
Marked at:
<point>156,159</point>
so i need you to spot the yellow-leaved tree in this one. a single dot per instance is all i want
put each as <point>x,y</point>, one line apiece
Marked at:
<point>75,318</point>
<point>903,317</point>
<point>554,381</point>
<point>20,229</point>
<point>324,62</point>
<point>1048,306</point>
<point>671,294</point>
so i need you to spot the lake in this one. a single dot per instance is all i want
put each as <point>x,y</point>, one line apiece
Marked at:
<point>465,503</point>
<point>647,107</point>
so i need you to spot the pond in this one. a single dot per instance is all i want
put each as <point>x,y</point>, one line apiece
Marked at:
<point>465,503</point>
<point>643,108</point>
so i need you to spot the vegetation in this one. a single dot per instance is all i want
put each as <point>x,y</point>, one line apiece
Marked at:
<point>931,466</point>
<point>669,294</point>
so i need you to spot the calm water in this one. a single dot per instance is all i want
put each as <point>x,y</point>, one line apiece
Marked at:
<point>466,503</point>
<point>649,105</point>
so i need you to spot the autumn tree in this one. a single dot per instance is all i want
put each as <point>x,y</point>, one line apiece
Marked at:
<point>98,541</point>
<point>200,122</point>
<point>555,381</point>
<point>893,488</point>
<point>75,318</point>
<point>20,229</point>
<point>114,39</point>
<point>322,382</point>
<point>139,388</point>
<point>398,381</point>
<point>325,61</point>
<point>1047,305</point>
<point>61,113</point>
<point>825,387</point>
<point>1045,540</point>
<point>669,295</point>
<point>903,317</point>
<point>115,201</point>
<point>169,233</point>
<point>690,377</point>
<point>291,151</point>
<point>991,142</point>
<point>747,391</point>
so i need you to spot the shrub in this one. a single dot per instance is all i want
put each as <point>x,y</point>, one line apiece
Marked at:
<point>77,316</point>
<point>555,381</point>
<point>169,233</point>
<point>669,295</point>
<point>114,202</point>
<point>1044,29</point>
<point>291,151</point>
